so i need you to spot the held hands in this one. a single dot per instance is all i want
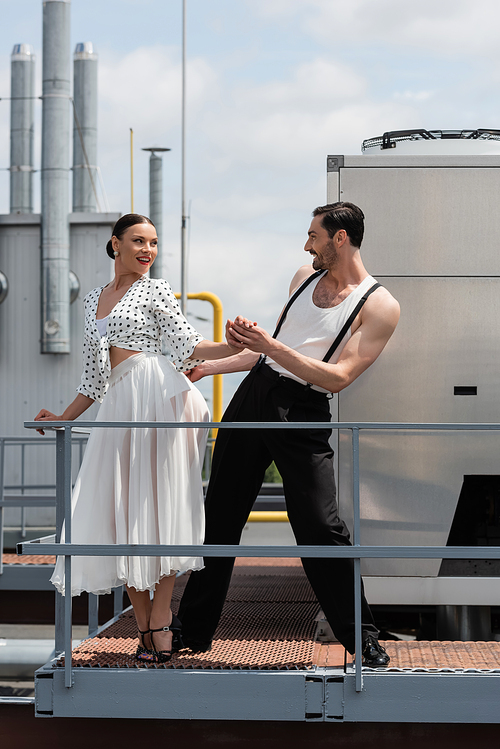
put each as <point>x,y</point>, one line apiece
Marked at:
<point>243,333</point>
<point>45,415</point>
<point>231,340</point>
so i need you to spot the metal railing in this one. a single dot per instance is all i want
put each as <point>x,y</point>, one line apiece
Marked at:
<point>356,551</point>
<point>20,495</point>
<point>24,495</point>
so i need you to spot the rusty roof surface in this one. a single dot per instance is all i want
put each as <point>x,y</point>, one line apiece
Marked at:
<point>271,562</point>
<point>27,559</point>
<point>268,623</point>
<point>444,655</point>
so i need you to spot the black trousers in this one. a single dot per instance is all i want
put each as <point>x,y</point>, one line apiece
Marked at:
<point>305,460</point>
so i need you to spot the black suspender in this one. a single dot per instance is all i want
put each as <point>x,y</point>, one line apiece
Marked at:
<point>345,327</point>
<point>349,322</point>
<point>293,298</point>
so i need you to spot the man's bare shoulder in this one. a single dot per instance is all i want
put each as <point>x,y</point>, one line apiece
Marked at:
<point>382,307</point>
<point>304,272</point>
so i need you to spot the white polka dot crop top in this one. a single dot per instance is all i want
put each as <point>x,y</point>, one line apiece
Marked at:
<point>146,313</point>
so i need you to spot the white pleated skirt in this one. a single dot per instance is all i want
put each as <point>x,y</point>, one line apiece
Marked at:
<point>138,486</point>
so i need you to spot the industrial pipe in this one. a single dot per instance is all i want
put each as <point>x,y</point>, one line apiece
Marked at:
<point>84,128</point>
<point>55,333</point>
<point>268,516</point>
<point>22,119</point>
<point>20,658</point>
<point>156,205</point>
<point>155,208</point>
<point>216,303</point>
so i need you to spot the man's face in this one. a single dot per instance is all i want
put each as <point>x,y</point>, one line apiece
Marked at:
<point>321,247</point>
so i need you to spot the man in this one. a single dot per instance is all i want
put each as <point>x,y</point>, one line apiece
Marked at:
<point>336,298</point>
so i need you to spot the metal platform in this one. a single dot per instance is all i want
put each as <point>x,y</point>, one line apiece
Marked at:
<point>265,665</point>
<point>30,572</point>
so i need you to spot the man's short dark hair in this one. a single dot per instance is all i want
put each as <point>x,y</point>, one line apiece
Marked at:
<point>345,216</point>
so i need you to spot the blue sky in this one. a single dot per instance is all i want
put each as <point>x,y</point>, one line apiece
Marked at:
<point>273,87</point>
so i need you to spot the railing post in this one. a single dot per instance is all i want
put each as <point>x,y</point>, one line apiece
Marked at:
<point>93,613</point>
<point>59,483</point>
<point>59,634</point>
<point>2,463</point>
<point>68,676</point>
<point>23,509</point>
<point>118,600</point>
<point>357,562</point>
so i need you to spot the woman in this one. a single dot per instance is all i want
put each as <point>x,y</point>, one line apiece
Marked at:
<point>138,485</point>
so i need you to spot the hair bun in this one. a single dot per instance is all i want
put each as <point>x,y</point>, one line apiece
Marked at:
<point>109,250</point>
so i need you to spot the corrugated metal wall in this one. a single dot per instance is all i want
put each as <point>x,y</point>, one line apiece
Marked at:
<point>30,380</point>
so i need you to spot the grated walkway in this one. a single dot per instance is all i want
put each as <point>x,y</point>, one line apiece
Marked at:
<point>27,559</point>
<point>268,623</point>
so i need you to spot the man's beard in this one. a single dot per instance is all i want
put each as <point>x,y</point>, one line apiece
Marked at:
<point>330,258</point>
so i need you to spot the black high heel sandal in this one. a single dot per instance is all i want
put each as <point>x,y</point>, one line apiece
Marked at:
<point>143,653</point>
<point>163,656</point>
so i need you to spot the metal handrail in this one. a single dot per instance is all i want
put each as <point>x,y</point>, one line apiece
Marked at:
<point>355,552</point>
<point>21,498</point>
<point>22,501</point>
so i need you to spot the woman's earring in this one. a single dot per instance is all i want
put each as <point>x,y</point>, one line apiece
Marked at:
<point>115,253</point>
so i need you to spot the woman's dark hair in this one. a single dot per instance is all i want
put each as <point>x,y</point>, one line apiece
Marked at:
<point>121,226</point>
<point>345,216</point>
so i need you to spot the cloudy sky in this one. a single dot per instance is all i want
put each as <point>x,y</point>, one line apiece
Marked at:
<point>273,87</point>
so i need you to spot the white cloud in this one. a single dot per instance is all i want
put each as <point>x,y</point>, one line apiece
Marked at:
<point>312,86</point>
<point>413,96</point>
<point>256,160</point>
<point>242,139</point>
<point>145,85</point>
<point>441,27</point>
<point>286,131</point>
<point>250,272</point>
<point>142,90</point>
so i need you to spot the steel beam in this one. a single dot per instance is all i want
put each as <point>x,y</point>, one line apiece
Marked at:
<point>234,550</point>
<point>188,695</point>
<point>318,695</point>
<point>370,425</point>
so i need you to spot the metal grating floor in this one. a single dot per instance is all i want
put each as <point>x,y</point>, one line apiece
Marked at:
<point>27,559</point>
<point>268,624</point>
<point>444,656</point>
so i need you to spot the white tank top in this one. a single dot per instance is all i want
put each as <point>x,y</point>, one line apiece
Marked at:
<point>311,330</point>
<point>102,325</point>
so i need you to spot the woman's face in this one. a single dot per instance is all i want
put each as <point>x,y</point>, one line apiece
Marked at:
<point>137,249</point>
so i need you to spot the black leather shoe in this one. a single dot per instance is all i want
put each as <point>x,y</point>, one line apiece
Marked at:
<point>374,654</point>
<point>197,646</point>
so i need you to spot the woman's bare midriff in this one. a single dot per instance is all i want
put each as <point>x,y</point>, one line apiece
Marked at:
<point>117,355</point>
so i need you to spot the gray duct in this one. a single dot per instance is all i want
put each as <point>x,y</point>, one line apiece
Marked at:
<point>55,177</point>
<point>22,119</point>
<point>19,659</point>
<point>85,128</point>
<point>156,205</point>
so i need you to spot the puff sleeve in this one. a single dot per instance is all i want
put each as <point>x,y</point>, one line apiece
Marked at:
<point>179,337</point>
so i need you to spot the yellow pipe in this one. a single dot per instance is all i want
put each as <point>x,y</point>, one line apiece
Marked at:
<point>207,296</point>
<point>268,516</point>
<point>131,170</point>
